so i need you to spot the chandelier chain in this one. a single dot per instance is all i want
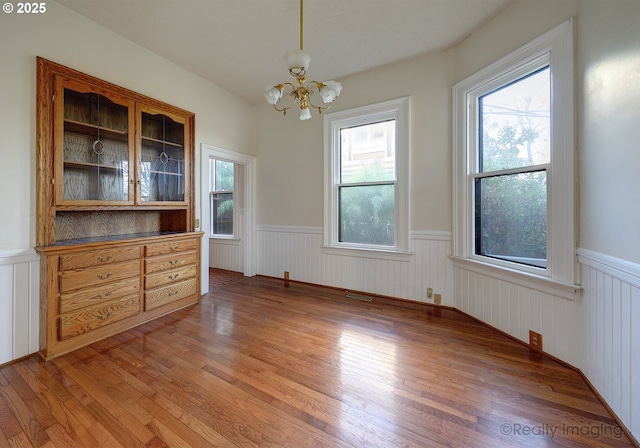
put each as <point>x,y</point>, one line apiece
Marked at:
<point>301,26</point>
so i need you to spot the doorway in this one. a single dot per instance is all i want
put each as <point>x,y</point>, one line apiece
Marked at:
<point>245,165</point>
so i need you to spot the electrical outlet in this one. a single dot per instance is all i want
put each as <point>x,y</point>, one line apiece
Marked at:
<point>197,223</point>
<point>429,293</point>
<point>437,299</point>
<point>535,340</point>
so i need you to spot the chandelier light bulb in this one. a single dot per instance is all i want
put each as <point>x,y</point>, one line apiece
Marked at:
<point>305,114</point>
<point>273,94</point>
<point>297,62</point>
<point>330,90</point>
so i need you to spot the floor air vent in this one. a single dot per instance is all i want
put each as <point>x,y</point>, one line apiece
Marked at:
<point>352,295</point>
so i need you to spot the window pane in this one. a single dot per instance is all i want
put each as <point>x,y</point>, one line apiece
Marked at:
<point>515,124</point>
<point>511,217</point>
<point>222,213</point>
<point>367,214</point>
<point>223,176</point>
<point>368,153</point>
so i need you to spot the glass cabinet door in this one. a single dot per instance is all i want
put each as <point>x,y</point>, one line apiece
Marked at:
<point>94,132</point>
<point>162,158</point>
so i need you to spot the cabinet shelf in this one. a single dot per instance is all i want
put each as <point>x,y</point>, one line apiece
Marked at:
<point>120,208</point>
<point>88,166</point>
<point>166,173</point>
<point>157,143</point>
<point>92,129</point>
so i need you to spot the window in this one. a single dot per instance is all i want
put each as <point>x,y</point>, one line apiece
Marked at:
<point>366,178</point>
<point>510,183</point>
<point>514,161</point>
<point>221,195</point>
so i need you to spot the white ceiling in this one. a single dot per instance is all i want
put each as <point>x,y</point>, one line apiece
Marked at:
<point>239,44</point>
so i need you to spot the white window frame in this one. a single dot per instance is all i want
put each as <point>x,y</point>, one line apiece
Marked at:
<point>399,110</point>
<point>235,235</point>
<point>554,48</point>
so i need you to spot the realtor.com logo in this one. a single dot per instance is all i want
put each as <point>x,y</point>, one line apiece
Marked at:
<point>516,429</point>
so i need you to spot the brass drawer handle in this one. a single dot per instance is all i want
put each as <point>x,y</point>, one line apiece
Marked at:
<point>174,248</point>
<point>173,277</point>
<point>172,293</point>
<point>107,294</point>
<point>174,262</point>
<point>102,260</point>
<point>101,317</point>
<point>103,276</point>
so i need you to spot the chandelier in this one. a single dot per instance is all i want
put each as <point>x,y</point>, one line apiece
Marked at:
<point>298,63</point>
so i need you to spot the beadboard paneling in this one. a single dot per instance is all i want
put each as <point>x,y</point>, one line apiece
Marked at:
<point>516,309</point>
<point>229,253</point>
<point>298,250</point>
<point>226,254</point>
<point>19,304</point>
<point>611,342</point>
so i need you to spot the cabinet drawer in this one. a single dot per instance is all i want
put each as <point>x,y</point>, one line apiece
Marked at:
<point>168,277</point>
<point>81,278</point>
<point>98,257</point>
<point>98,295</point>
<point>168,294</point>
<point>74,324</point>
<point>170,247</point>
<point>163,262</point>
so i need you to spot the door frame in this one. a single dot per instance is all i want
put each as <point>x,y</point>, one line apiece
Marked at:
<point>208,152</point>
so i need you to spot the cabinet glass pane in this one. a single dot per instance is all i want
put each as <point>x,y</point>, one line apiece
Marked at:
<point>96,150</point>
<point>162,159</point>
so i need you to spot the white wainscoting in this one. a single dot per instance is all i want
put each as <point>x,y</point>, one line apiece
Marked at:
<point>19,304</point>
<point>226,254</point>
<point>611,332</point>
<point>516,309</point>
<point>298,250</point>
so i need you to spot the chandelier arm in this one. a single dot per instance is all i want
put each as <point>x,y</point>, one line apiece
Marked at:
<point>319,85</point>
<point>319,108</point>
<point>295,98</point>
<point>311,92</point>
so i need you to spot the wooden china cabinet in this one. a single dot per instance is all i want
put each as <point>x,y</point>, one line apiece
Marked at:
<point>115,209</point>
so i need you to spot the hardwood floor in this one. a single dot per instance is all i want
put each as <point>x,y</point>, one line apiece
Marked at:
<point>221,277</point>
<point>267,364</point>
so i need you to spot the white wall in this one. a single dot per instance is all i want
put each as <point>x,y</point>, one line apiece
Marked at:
<point>609,132</point>
<point>290,151</point>
<point>609,74</point>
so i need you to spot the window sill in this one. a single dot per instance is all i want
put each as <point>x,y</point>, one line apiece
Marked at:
<point>540,283</point>
<point>378,254</point>
<point>224,240</point>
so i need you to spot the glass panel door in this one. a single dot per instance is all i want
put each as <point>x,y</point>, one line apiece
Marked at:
<point>95,161</point>
<point>162,162</point>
